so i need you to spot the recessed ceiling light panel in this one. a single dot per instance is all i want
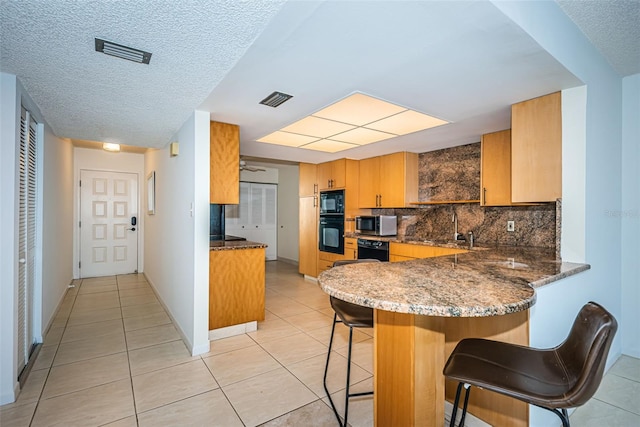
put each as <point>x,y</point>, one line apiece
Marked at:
<point>355,120</point>
<point>405,123</point>
<point>329,146</point>
<point>124,52</point>
<point>315,126</point>
<point>287,138</point>
<point>359,109</point>
<point>362,136</point>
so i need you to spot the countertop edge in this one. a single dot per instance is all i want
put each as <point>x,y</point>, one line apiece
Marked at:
<point>235,245</point>
<point>573,268</point>
<point>377,300</point>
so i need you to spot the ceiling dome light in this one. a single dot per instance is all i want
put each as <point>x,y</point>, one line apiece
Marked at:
<point>108,146</point>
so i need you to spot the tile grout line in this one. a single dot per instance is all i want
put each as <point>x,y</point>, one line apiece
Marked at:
<point>223,392</point>
<point>126,347</point>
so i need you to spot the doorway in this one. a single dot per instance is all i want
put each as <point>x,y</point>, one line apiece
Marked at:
<point>108,223</point>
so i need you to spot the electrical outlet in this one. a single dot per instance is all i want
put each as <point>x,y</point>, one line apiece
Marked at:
<point>511,226</point>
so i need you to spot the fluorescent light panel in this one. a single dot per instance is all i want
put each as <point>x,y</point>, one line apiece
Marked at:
<point>356,120</point>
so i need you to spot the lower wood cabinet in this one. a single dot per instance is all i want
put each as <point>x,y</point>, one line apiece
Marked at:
<point>236,286</point>
<point>326,260</point>
<point>406,251</point>
<point>350,248</point>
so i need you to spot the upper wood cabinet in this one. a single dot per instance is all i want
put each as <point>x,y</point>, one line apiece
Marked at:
<point>224,175</point>
<point>389,181</point>
<point>332,175</point>
<point>536,149</point>
<point>369,182</point>
<point>308,185</point>
<point>495,169</point>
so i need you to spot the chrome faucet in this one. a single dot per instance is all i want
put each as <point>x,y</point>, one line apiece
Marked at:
<point>456,235</point>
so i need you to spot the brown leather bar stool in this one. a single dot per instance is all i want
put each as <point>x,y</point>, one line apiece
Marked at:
<point>352,316</point>
<point>555,379</point>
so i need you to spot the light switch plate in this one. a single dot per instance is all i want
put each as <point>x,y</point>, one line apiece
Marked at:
<point>511,225</point>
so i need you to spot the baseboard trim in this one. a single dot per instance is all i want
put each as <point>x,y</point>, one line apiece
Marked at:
<point>195,350</point>
<point>230,331</point>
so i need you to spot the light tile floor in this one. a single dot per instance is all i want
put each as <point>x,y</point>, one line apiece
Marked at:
<point>112,357</point>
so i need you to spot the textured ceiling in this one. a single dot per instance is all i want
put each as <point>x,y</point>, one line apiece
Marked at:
<point>461,61</point>
<point>613,27</point>
<point>87,95</point>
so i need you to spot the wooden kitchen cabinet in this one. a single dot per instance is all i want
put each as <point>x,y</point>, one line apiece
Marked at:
<point>389,181</point>
<point>406,251</point>
<point>308,236</point>
<point>224,157</point>
<point>495,169</point>
<point>536,150</point>
<point>350,248</point>
<point>369,182</point>
<point>307,181</point>
<point>332,175</point>
<point>326,260</point>
<point>236,287</point>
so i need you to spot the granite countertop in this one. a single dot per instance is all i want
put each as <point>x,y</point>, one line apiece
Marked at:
<point>488,282</point>
<point>221,245</point>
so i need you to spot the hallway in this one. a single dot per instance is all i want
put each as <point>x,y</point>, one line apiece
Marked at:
<point>113,357</point>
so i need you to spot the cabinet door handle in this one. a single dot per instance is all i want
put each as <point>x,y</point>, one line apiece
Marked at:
<point>315,202</point>
<point>484,195</point>
<point>315,189</point>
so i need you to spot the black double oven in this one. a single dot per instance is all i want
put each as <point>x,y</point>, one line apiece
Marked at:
<point>331,224</point>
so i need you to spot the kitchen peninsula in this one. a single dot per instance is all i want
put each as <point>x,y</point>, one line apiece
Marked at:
<point>236,287</point>
<point>423,307</point>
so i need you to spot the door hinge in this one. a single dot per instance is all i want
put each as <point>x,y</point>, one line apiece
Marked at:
<point>79,264</point>
<point>80,183</point>
<point>79,224</point>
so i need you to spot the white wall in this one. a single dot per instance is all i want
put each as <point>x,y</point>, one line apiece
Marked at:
<point>54,222</point>
<point>176,238</point>
<point>558,303</point>
<point>630,214</point>
<point>574,118</point>
<point>92,159</point>
<point>57,223</point>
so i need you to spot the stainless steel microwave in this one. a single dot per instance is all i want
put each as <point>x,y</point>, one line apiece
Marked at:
<point>377,225</point>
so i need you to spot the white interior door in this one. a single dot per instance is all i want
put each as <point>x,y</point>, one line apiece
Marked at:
<point>108,233</point>
<point>256,217</point>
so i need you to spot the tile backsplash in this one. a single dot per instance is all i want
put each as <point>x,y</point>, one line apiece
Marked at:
<point>454,174</point>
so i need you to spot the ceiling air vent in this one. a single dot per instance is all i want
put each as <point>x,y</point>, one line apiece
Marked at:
<point>275,99</point>
<point>124,52</point>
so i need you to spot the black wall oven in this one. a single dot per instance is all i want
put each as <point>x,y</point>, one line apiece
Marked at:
<point>331,224</point>
<point>331,234</point>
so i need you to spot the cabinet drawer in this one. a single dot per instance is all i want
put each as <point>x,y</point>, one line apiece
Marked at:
<point>324,265</point>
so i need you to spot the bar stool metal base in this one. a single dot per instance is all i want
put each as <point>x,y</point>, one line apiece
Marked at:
<point>326,370</point>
